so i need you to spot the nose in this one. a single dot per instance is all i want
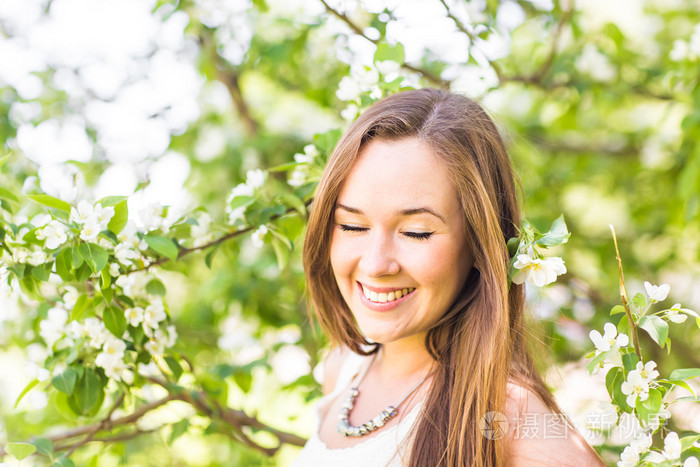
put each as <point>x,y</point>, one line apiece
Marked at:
<point>379,256</point>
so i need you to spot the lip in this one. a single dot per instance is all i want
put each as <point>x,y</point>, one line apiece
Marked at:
<point>387,306</point>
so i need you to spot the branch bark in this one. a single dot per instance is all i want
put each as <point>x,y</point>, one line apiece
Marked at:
<point>429,75</point>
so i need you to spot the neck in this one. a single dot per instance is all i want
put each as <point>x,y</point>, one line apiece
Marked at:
<point>404,359</point>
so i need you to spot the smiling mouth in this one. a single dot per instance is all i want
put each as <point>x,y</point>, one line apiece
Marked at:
<point>385,297</point>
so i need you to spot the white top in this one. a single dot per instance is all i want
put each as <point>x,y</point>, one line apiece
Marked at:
<point>385,449</point>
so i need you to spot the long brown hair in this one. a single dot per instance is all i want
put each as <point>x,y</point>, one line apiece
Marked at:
<point>478,343</point>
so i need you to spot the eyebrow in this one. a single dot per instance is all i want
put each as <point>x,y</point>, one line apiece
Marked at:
<point>404,212</point>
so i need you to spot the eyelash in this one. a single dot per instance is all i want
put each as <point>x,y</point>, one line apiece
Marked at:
<point>413,235</point>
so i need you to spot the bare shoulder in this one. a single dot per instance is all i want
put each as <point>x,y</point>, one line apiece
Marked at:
<point>331,367</point>
<point>539,437</point>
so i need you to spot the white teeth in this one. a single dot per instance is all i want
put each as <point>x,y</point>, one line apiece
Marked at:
<point>385,297</point>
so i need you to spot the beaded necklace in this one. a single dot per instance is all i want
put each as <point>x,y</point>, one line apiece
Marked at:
<point>350,431</point>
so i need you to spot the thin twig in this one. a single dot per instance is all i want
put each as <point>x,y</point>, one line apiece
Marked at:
<point>186,251</point>
<point>429,75</point>
<point>102,425</point>
<point>623,295</point>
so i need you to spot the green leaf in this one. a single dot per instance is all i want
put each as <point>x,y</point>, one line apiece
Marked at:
<point>684,374</point>
<point>77,257</point>
<point>64,264</point>
<point>120,217</point>
<point>243,380</point>
<point>512,245</point>
<point>65,382</point>
<point>82,273</point>
<point>87,392</point>
<point>105,282</point>
<point>593,363</point>
<point>43,446</point>
<point>20,450</point>
<point>617,309</point>
<point>94,255</point>
<point>155,287</point>
<point>640,300</point>
<point>63,462</point>
<point>656,327</point>
<point>557,235</point>
<point>389,52</point>
<point>648,408</point>
<point>629,361</point>
<point>610,377</point>
<point>679,383</point>
<point>179,429</point>
<point>114,320</point>
<point>24,392</point>
<point>293,201</point>
<point>210,255</point>
<point>8,195</point>
<point>51,202</point>
<point>174,366</point>
<point>281,252</point>
<point>111,201</point>
<point>162,245</point>
<point>42,271</point>
<point>241,201</point>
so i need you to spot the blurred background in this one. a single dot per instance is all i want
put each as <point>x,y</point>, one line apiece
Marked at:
<point>171,103</point>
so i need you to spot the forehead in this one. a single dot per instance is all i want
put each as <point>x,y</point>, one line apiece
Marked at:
<point>397,173</point>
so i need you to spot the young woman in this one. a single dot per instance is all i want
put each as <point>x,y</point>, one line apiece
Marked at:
<point>407,265</point>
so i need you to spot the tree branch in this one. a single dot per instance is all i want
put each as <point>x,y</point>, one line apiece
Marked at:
<point>229,76</point>
<point>236,420</point>
<point>186,251</point>
<point>429,75</point>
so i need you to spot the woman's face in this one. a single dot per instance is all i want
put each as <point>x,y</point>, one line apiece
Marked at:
<point>399,248</point>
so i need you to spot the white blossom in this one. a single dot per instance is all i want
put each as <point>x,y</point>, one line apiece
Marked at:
<point>657,293</point>
<point>125,253</point>
<point>298,176</point>
<point>628,458</point>
<point>679,51</point>
<point>610,339</point>
<point>674,314</point>
<point>91,229</point>
<point>348,89</point>
<point>671,452</point>
<point>37,372</point>
<point>236,214</point>
<point>242,189</point>
<point>134,316</point>
<point>537,271</point>
<point>96,332</point>
<point>691,462</point>
<point>70,296</point>
<point>647,371</point>
<point>154,347</point>
<point>82,213</point>
<point>635,387</point>
<point>350,112</point>
<point>37,256</point>
<point>114,270</point>
<point>595,64</point>
<point>54,233</point>
<point>102,216</point>
<point>149,369</point>
<point>255,178</point>
<point>259,235</point>
<point>152,315</point>
<point>53,327</point>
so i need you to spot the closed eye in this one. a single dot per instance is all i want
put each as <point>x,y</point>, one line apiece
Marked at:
<point>418,235</point>
<point>351,228</point>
